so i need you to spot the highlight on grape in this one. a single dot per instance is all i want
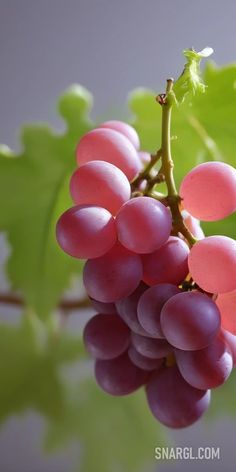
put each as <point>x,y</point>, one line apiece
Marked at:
<point>164,294</point>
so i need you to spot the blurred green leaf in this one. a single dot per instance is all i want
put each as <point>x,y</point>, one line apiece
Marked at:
<point>115,434</point>
<point>30,357</point>
<point>203,128</point>
<point>34,187</point>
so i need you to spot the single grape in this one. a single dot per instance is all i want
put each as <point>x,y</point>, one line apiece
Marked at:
<point>144,157</point>
<point>86,231</point>
<point>127,309</point>
<point>112,276</point>
<point>100,183</point>
<point>190,320</point>
<point>106,336</point>
<point>119,376</point>
<point>208,367</point>
<point>143,224</point>
<point>101,307</point>
<point>212,264</point>
<point>209,191</point>
<point>173,401</point>
<point>152,348</point>
<point>124,129</point>
<point>145,363</point>
<point>108,145</point>
<point>150,305</point>
<point>193,225</point>
<point>230,340</point>
<point>226,303</point>
<point>169,264</point>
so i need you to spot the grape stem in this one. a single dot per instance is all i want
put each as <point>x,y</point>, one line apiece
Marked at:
<point>167,167</point>
<point>64,305</point>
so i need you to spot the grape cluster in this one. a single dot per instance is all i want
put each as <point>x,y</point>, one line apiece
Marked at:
<point>166,309</point>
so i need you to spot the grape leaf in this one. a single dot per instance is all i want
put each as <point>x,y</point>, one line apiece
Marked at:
<point>34,187</point>
<point>203,128</point>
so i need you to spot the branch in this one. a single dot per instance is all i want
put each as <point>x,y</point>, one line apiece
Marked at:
<point>65,305</point>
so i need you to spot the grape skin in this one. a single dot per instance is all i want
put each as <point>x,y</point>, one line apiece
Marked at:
<point>226,303</point>
<point>190,320</point>
<point>100,307</point>
<point>86,231</point>
<point>106,336</point>
<point>127,309</point>
<point>151,348</point>
<point>143,224</point>
<point>193,225</point>
<point>212,264</point>
<point>169,264</point>
<point>145,363</point>
<point>108,145</point>
<point>102,184</point>
<point>208,367</point>
<point>119,376</point>
<point>173,401</point>
<point>150,305</point>
<point>230,340</point>
<point>124,128</point>
<point>112,276</point>
<point>209,191</point>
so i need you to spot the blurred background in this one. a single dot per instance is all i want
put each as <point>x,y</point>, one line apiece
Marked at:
<point>109,47</point>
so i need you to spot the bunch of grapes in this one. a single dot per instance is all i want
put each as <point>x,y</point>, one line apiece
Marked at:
<point>165,302</point>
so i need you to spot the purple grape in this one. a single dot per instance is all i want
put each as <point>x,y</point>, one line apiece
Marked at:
<point>152,348</point>
<point>208,367</point>
<point>150,305</point>
<point>106,336</point>
<point>173,401</point>
<point>127,309</point>
<point>143,362</point>
<point>168,264</point>
<point>101,307</point>
<point>190,320</point>
<point>119,376</point>
<point>112,276</point>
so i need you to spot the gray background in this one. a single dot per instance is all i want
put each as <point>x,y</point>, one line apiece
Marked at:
<point>110,47</point>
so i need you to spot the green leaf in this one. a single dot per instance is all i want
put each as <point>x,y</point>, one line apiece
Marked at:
<point>203,128</point>
<point>115,433</point>
<point>34,187</point>
<point>190,81</point>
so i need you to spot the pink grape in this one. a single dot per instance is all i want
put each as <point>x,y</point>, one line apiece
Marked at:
<point>119,376</point>
<point>190,320</point>
<point>101,307</point>
<point>209,191</point>
<point>208,367</point>
<point>145,363</point>
<point>148,347</point>
<point>100,183</point>
<point>226,303</point>
<point>212,264</point>
<point>143,224</point>
<point>230,340</point>
<point>125,129</point>
<point>150,305</point>
<point>193,225</point>
<point>108,145</point>
<point>112,276</point>
<point>144,157</point>
<point>106,336</point>
<point>86,231</point>
<point>127,309</point>
<point>169,264</point>
<point>173,401</point>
